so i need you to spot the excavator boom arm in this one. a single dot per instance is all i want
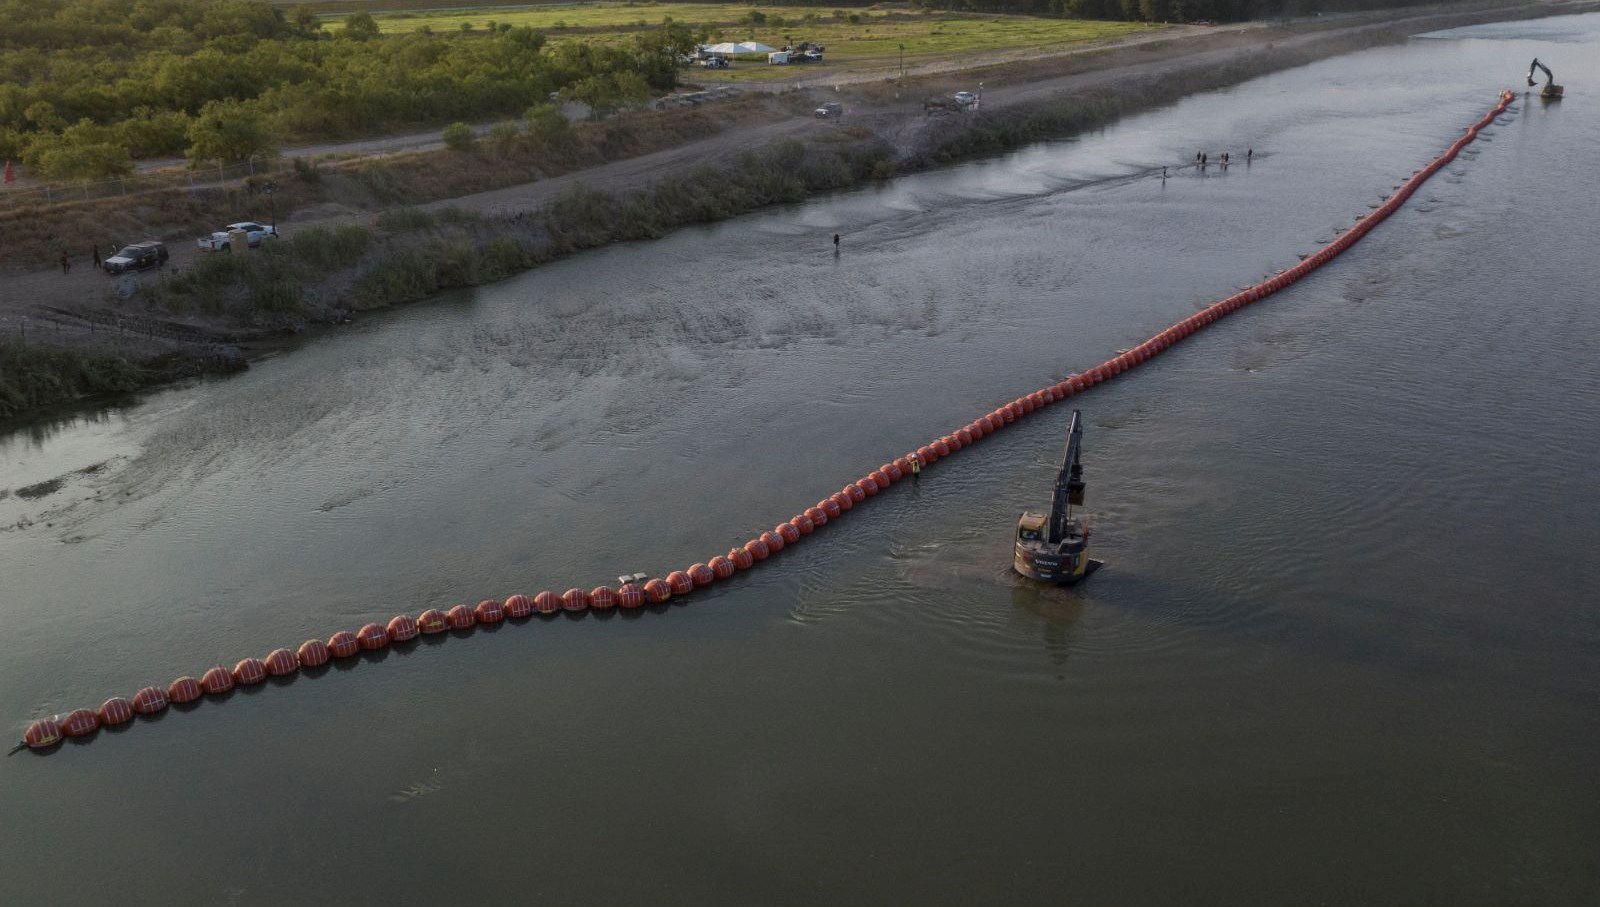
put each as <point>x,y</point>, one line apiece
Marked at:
<point>1549,77</point>
<point>1069,482</point>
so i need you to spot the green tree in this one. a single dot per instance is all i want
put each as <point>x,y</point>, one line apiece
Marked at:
<point>227,131</point>
<point>85,150</point>
<point>360,27</point>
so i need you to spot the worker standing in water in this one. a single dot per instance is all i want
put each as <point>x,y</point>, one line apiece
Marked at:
<point>916,467</point>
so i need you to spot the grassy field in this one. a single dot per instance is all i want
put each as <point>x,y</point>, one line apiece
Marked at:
<point>875,38</point>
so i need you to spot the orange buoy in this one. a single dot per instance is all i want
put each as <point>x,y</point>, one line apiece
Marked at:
<point>868,486</point>
<point>80,723</point>
<point>280,662</point>
<point>757,549</point>
<point>903,464</point>
<point>966,436</point>
<point>574,600</point>
<point>893,471</point>
<point>701,575</point>
<point>742,559</point>
<point>657,591</point>
<point>818,516</point>
<point>927,455</point>
<point>342,644</point>
<point>217,680</point>
<point>371,636</point>
<point>114,711</point>
<point>722,567</point>
<point>546,603</point>
<point>941,448</point>
<point>1025,403</point>
<point>251,671</point>
<point>773,541</point>
<point>460,617</point>
<point>519,606</point>
<point>630,596</point>
<point>881,478</point>
<point>803,523</point>
<point>842,501</point>
<point>489,611</point>
<point>855,491</point>
<point>402,628</point>
<point>42,734</point>
<point>185,689</point>
<point>601,598</point>
<point>149,700</point>
<point>432,621</point>
<point>679,582</point>
<point>313,653</point>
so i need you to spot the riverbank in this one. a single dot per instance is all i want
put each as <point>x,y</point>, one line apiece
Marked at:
<point>252,303</point>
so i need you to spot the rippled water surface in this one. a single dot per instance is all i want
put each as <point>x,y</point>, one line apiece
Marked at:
<point>1345,650</point>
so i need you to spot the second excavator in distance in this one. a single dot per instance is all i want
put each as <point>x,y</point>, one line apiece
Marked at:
<point>1551,91</point>
<point>1055,547</point>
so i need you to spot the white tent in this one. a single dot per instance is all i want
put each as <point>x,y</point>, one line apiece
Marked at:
<point>729,48</point>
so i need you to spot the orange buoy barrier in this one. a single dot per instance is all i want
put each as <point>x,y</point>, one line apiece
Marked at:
<point>519,606</point>
<point>217,680</point>
<point>149,700</point>
<point>313,653</point>
<point>402,627</point>
<point>371,636</point>
<point>80,723</point>
<point>186,689</point>
<point>280,662</point>
<point>114,711</point>
<point>43,733</point>
<point>250,671</point>
<point>342,644</point>
<point>490,611</point>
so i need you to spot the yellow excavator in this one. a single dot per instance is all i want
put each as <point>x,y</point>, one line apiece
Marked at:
<point>1551,91</point>
<point>1054,547</point>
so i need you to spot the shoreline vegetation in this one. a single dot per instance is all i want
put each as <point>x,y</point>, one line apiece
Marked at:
<point>329,273</point>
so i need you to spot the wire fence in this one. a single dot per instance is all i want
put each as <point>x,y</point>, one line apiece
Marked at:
<point>13,197</point>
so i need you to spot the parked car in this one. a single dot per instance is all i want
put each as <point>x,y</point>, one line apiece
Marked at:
<point>222,240</point>
<point>715,63</point>
<point>830,109</point>
<point>965,98</point>
<point>137,257</point>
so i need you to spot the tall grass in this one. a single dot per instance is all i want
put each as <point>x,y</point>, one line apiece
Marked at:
<point>33,376</point>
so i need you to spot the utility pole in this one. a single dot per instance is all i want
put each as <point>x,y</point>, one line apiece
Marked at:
<point>902,61</point>
<point>268,188</point>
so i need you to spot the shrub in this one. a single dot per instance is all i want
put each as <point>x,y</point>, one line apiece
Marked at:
<point>460,137</point>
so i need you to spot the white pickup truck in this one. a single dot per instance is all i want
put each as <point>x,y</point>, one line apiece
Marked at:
<point>222,240</point>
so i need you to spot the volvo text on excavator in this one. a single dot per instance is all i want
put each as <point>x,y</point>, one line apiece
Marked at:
<point>1055,548</point>
<point>1551,91</point>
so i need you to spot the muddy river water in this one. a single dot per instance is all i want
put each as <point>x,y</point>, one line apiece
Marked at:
<point>1345,650</point>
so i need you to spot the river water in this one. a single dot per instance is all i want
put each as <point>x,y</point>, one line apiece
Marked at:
<point>1345,649</point>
